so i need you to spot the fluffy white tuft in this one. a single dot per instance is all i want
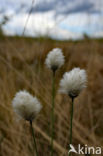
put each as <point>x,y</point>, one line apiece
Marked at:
<point>26,106</point>
<point>55,59</point>
<point>73,82</point>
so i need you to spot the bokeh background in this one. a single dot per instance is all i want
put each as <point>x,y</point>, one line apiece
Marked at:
<point>28,31</point>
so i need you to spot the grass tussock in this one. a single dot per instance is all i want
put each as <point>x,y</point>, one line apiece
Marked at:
<point>22,67</point>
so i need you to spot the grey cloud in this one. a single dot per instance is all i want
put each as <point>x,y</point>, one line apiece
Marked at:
<point>84,7</point>
<point>64,6</point>
<point>44,6</point>
<point>58,6</point>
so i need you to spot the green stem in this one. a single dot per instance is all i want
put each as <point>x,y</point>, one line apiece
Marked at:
<point>34,140</point>
<point>52,112</point>
<point>71,123</point>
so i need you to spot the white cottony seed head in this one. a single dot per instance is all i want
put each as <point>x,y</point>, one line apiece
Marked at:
<point>73,82</point>
<point>26,106</point>
<point>55,59</point>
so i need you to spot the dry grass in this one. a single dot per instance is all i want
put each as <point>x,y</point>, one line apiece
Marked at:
<point>22,67</point>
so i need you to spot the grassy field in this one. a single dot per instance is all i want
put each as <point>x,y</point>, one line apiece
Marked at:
<point>22,67</point>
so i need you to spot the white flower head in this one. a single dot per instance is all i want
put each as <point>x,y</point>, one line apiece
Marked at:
<point>55,59</point>
<point>26,106</point>
<point>73,82</point>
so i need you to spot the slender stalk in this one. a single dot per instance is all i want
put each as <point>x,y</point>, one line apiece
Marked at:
<point>34,140</point>
<point>52,112</point>
<point>71,123</point>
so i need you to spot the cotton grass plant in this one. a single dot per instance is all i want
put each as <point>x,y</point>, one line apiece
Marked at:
<point>27,107</point>
<point>72,84</point>
<point>54,61</point>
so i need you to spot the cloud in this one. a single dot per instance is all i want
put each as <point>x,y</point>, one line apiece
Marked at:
<point>64,6</point>
<point>38,26</point>
<point>59,6</point>
<point>91,24</point>
<point>60,19</point>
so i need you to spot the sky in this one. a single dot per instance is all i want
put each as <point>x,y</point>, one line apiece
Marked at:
<point>59,19</point>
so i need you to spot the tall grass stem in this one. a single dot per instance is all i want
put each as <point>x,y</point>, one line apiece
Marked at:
<point>71,123</point>
<point>52,112</point>
<point>34,140</point>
